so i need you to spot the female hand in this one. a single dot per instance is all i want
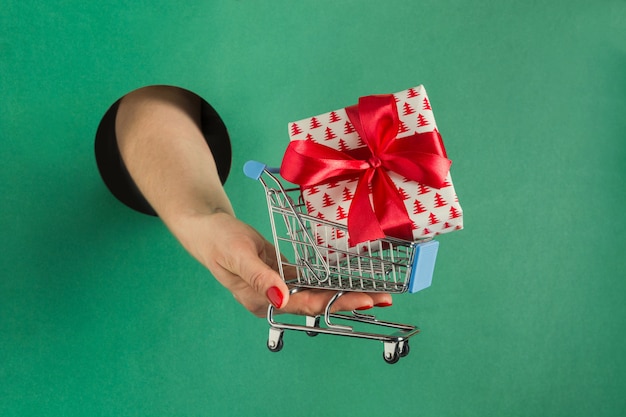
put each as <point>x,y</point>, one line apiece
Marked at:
<point>245,263</point>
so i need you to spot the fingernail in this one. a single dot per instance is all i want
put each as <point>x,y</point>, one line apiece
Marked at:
<point>275,296</point>
<point>383,304</point>
<point>363,308</point>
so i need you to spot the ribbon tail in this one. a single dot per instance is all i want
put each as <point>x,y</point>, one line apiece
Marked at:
<point>387,217</point>
<point>391,212</point>
<point>363,224</point>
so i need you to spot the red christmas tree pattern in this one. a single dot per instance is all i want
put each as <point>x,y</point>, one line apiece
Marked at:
<point>347,194</point>
<point>309,137</point>
<point>454,213</point>
<point>334,117</point>
<point>414,226</point>
<point>403,193</point>
<point>348,128</point>
<point>418,207</point>
<point>329,135</point>
<point>295,129</point>
<point>446,183</point>
<point>426,104</point>
<point>439,201</point>
<point>341,213</point>
<point>360,143</point>
<point>412,93</point>
<point>342,145</point>
<point>332,184</point>
<point>407,109</point>
<point>313,190</point>
<point>422,189</point>
<point>421,121</point>
<point>309,207</point>
<point>402,128</point>
<point>340,234</point>
<point>315,123</point>
<point>328,201</point>
<point>320,216</point>
<point>319,240</point>
<point>432,219</point>
<point>426,231</point>
<point>446,225</point>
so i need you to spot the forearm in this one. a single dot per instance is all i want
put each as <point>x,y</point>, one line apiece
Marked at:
<point>160,138</point>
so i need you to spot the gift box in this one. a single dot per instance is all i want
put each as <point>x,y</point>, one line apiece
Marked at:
<point>379,167</point>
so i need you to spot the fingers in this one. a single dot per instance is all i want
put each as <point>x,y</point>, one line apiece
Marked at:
<point>264,280</point>
<point>254,270</point>
<point>382,300</point>
<point>314,302</point>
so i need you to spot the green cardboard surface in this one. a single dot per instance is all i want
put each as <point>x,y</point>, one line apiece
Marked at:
<point>102,313</point>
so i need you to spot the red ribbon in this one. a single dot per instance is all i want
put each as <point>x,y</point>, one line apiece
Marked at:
<point>420,157</point>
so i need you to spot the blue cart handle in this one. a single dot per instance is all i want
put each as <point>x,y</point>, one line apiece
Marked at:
<point>254,169</point>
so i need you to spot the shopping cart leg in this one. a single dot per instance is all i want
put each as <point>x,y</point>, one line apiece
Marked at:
<point>391,354</point>
<point>275,339</point>
<point>313,322</point>
<point>330,325</point>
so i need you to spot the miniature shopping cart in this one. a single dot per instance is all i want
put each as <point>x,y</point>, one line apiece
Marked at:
<point>387,265</point>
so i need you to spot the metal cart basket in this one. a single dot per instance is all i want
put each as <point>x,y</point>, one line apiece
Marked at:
<point>305,261</point>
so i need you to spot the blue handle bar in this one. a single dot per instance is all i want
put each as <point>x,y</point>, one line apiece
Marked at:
<point>254,169</point>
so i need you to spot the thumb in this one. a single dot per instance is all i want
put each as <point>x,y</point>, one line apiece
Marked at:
<point>263,280</point>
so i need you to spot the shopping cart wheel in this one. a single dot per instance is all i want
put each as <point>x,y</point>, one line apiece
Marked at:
<point>312,322</point>
<point>404,349</point>
<point>275,347</point>
<point>275,340</point>
<point>393,358</point>
<point>391,353</point>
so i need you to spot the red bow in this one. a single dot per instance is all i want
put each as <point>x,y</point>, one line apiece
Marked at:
<point>420,157</point>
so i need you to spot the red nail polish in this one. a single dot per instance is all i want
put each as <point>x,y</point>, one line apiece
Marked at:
<point>275,296</point>
<point>363,308</point>
<point>384,304</point>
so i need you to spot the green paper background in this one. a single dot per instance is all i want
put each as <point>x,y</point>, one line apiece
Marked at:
<point>102,313</point>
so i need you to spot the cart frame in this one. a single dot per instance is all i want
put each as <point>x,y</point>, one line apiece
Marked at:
<point>386,265</point>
